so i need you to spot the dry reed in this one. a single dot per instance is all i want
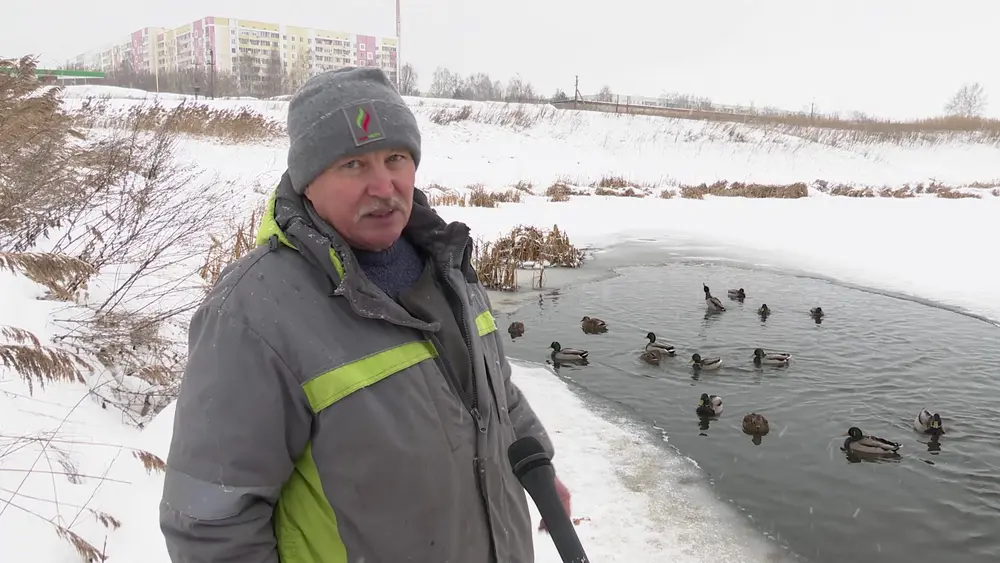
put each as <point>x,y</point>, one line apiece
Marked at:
<point>238,126</point>
<point>497,262</point>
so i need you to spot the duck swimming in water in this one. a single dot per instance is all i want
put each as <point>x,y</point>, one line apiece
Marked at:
<point>516,329</point>
<point>654,345</point>
<point>567,354</point>
<point>858,443</point>
<point>705,363</point>
<point>764,311</point>
<point>928,423</point>
<point>709,405</point>
<point>593,324</point>
<point>737,293</point>
<point>652,356</point>
<point>756,424</point>
<point>712,303</point>
<point>770,358</point>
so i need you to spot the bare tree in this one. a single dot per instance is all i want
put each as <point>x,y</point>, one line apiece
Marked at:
<point>605,95</point>
<point>969,101</point>
<point>408,81</point>
<point>298,70</point>
<point>519,91</point>
<point>444,83</point>
<point>559,96</point>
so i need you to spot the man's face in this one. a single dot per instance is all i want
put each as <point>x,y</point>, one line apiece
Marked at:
<point>366,198</point>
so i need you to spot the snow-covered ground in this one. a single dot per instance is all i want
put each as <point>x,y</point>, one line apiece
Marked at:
<point>645,509</point>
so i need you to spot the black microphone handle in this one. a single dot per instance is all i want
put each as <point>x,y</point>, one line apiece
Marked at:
<point>541,485</point>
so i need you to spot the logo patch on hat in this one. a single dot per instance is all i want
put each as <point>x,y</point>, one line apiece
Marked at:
<point>364,123</point>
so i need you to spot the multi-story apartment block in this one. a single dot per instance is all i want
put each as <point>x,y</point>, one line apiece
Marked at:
<point>137,51</point>
<point>250,50</point>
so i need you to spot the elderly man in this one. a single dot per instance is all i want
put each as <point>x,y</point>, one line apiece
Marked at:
<point>347,397</point>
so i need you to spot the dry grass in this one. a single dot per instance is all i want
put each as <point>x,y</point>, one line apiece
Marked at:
<point>22,352</point>
<point>447,199</point>
<point>828,129</point>
<point>238,242</point>
<point>511,115</point>
<point>497,262</point>
<point>479,196</point>
<point>524,186</point>
<point>667,193</point>
<point>237,126</point>
<point>558,191</point>
<point>905,191</point>
<point>723,188</point>
<point>996,192</point>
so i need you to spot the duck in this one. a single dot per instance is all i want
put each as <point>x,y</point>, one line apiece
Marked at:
<point>816,312</point>
<point>858,443</point>
<point>737,293</point>
<point>709,405</point>
<point>567,354</point>
<point>516,329</point>
<point>770,358</point>
<point>756,424</point>
<point>764,311</point>
<point>712,303</point>
<point>593,324</point>
<point>652,356</point>
<point>705,363</point>
<point>928,423</point>
<point>654,345</point>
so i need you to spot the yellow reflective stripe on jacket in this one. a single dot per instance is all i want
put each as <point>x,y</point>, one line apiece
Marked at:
<point>305,525</point>
<point>332,386</point>
<point>485,323</point>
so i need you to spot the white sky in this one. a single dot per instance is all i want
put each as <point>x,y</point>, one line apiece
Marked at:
<point>894,58</point>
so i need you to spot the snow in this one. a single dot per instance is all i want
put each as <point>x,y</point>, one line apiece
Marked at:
<point>640,501</point>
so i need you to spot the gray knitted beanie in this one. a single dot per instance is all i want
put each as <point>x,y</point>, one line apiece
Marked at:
<point>346,112</point>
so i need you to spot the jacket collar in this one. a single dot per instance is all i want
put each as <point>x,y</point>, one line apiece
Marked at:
<point>287,221</point>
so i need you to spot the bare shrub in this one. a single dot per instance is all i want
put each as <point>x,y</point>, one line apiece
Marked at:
<point>667,193</point>
<point>497,262</point>
<point>558,191</point>
<point>996,192</point>
<point>242,125</point>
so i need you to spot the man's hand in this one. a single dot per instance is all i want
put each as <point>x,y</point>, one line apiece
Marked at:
<point>564,496</point>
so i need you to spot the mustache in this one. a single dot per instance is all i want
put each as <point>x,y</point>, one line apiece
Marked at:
<point>377,205</point>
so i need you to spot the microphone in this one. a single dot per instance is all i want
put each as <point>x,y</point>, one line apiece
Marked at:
<point>533,469</point>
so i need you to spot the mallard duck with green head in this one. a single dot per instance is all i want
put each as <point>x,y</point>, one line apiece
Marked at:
<point>567,354</point>
<point>737,294</point>
<point>770,358</point>
<point>756,425</point>
<point>654,345</point>
<point>705,363</point>
<point>712,303</point>
<point>709,405</point>
<point>858,443</point>
<point>593,324</point>
<point>928,423</point>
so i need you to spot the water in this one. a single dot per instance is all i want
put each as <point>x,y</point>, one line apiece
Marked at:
<point>873,362</point>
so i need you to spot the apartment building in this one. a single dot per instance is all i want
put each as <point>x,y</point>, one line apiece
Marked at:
<point>250,50</point>
<point>136,51</point>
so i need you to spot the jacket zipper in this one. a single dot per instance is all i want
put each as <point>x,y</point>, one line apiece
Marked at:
<point>471,403</point>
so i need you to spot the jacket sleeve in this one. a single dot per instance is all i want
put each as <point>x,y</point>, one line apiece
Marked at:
<point>522,416</point>
<point>241,420</point>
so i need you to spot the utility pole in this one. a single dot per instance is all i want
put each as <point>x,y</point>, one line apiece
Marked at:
<point>576,89</point>
<point>211,63</point>
<point>399,41</point>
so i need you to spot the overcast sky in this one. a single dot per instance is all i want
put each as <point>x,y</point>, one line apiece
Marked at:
<point>895,58</point>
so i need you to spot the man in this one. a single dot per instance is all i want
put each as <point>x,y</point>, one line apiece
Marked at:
<point>347,397</point>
